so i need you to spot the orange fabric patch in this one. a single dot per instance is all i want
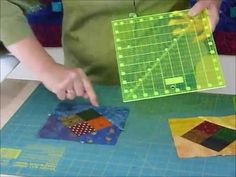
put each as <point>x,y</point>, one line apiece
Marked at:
<point>99,123</point>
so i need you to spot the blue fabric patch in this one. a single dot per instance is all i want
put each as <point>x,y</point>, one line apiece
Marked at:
<point>103,136</point>
<point>54,129</point>
<point>46,14</point>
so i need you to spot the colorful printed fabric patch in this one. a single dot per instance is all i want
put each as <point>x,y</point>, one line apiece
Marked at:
<point>204,136</point>
<point>107,135</point>
<point>85,123</point>
<point>71,120</point>
<point>211,135</point>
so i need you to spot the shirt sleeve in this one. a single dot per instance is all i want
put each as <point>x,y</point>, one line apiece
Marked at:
<point>13,24</point>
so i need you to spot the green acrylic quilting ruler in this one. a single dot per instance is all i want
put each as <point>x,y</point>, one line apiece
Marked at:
<point>166,54</point>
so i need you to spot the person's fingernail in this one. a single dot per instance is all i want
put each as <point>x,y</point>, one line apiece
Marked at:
<point>96,104</point>
<point>191,13</point>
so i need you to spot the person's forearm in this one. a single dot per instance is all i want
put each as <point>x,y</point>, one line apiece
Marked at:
<point>31,53</point>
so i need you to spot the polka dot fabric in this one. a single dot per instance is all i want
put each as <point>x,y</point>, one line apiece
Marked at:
<point>82,128</point>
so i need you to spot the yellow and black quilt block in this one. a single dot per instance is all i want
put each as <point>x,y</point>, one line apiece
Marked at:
<point>211,135</point>
<point>204,135</point>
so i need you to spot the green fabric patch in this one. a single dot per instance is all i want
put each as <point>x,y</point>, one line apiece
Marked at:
<point>226,134</point>
<point>88,114</point>
<point>233,11</point>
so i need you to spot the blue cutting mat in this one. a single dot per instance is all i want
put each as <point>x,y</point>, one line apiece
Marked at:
<point>145,148</point>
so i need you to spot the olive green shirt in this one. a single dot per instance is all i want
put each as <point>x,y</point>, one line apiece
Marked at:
<point>87,31</point>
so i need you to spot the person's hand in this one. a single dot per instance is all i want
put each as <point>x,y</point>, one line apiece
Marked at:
<point>213,10</point>
<point>197,25</point>
<point>67,83</point>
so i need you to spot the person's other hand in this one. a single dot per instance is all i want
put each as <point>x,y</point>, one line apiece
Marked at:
<point>213,9</point>
<point>197,25</point>
<point>67,83</point>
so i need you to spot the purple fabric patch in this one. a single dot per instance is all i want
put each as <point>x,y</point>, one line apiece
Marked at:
<point>54,129</point>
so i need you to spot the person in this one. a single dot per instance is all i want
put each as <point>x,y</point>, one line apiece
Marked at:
<point>87,40</point>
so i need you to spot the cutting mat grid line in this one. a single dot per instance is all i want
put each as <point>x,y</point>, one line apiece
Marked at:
<point>153,50</point>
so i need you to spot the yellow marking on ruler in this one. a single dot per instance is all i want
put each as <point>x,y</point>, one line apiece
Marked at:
<point>174,80</point>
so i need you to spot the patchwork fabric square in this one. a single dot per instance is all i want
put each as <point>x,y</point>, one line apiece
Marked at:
<point>221,139</point>
<point>211,135</point>
<point>204,136</point>
<point>85,124</point>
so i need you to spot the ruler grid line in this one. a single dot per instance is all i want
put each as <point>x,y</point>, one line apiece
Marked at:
<point>151,54</point>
